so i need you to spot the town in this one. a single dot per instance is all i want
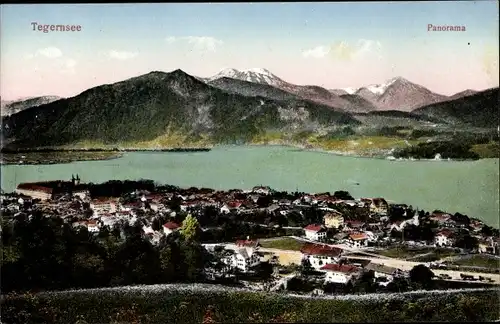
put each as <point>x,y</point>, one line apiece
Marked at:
<point>269,240</point>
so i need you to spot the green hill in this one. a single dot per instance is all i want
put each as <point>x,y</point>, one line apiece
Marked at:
<point>161,104</point>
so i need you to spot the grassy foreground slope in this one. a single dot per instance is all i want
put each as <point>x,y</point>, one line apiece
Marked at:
<point>176,306</point>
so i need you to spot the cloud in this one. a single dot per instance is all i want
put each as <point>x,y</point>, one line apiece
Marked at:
<point>317,52</point>
<point>200,43</point>
<point>121,55</point>
<point>49,52</point>
<point>342,50</point>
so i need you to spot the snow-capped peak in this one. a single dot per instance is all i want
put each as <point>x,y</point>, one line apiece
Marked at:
<point>258,70</point>
<point>379,89</point>
<point>350,90</point>
<point>256,75</point>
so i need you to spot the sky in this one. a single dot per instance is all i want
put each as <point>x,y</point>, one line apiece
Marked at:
<point>333,45</point>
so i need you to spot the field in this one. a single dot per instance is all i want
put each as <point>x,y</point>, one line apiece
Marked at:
<point>154,304</point>
<point>405,252</point>
<point>478,261</point>
<point>491,150</point>
<point>285,243</point>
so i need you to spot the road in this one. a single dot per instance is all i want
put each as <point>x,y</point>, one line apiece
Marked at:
<point>289,257</point>
<point>408,265</point>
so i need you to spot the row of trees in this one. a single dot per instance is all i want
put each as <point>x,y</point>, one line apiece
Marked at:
<point>45,253</point>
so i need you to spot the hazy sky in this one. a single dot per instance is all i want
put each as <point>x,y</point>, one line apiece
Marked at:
<point>334,45</point>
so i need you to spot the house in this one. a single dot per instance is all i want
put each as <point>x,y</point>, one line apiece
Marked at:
<point>35,191</point>
<point>337,273</point>
<point>376,205</point>
<point>170,227</point>
<point>92,226</point>
<point>358,240</point>
<point>382,271</point>
<point>264,190</point>
<point>444,238</point>
<point>231,206</point>
<point>353,225</point>
<point>319,255</point>
<point>81,193</point>
<point>243,258</point>
<point>131,206</point>
<point>333,219</point>
<point>103,206</point>
<point>396,226</point>
<point>108,220</point>
<point>315,232</point>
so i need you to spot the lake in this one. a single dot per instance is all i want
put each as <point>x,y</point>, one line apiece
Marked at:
<point>470,187</point>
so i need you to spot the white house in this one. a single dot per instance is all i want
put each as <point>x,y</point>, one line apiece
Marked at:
<point>315,232</point>
<point>336,273</point>
<point>319,255</point>
<point>170,227</point>
<point>264,190</point>
<point>82,194</point>
<point>358,240</point>
<point>444,238</point>
<point>92,226</point>
<point>103,206</point>
<point>243,258</point>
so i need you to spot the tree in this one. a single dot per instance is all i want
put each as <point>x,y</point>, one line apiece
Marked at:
<point>422,275</point>
<point>190,228</point>
<point>305,267</point>
<point>366,282</point>
<point>344,195</point>
<point>466,241</point>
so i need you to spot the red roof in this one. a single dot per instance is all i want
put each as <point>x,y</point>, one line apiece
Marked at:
<point>34,187</point>
<point>249,243</point>
<point>234,204</point>
<point>313,227</point>
<point>340,268</point>
<point>317,249</point>
<point>358,236</point>
<point>440,216</point>
<point>171,225</point>
<point>445,233</point>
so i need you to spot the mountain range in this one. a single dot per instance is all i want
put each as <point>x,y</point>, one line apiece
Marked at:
<point>233,107</point>
<point>15,106</point>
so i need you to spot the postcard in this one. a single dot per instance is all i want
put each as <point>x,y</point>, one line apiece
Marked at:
<point>250,162</point>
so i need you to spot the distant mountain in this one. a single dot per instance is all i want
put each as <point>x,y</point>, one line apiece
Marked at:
<point>256,75</point>
<point>156,104</point>
<point>358,103</point>
<point>15,106</point>
<point>338,92</point>
<point>462,94</point>
<point>251,89</point>
<point>368,95</point>
<point>313,93</point>
<point>479,110</point>
<point>397,94</point>
<point>401,94</point>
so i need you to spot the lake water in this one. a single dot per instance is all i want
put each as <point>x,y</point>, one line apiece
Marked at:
<point>471,187</point>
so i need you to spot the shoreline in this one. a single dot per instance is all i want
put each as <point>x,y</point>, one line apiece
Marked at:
<point>383,155</point>
<point>365,156</point>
